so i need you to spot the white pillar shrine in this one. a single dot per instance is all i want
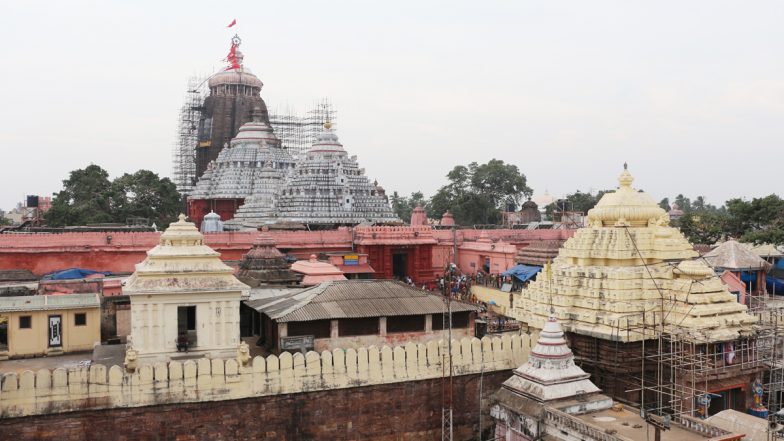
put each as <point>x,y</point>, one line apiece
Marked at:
<point>183,291</point>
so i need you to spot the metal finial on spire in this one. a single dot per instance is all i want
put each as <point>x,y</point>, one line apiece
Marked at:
<point>625,166</point>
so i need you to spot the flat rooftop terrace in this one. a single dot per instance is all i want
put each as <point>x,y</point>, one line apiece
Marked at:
<point>628,424</point>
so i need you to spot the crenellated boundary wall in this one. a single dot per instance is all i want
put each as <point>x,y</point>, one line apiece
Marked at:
<point>62,390</point>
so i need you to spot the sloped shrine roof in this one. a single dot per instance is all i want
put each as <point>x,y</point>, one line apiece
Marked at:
<point>733,256</point>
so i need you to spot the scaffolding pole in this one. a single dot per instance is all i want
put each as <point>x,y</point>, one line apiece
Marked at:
<point>186,143</point>
<point>297,132</point>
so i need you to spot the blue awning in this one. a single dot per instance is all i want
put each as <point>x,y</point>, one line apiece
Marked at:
<point>72,273</point>
<point>522,272</point>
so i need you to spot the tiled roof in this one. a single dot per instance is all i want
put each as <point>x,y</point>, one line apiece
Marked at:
<point>351,299</point>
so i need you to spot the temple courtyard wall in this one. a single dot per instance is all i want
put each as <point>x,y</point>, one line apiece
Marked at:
<point>409,410</point>
<point>99,387</point>
<point>43,253</point>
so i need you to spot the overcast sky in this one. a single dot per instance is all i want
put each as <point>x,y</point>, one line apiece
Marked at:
<point>689,93</point>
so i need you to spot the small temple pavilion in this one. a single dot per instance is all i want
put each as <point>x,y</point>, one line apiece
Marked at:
<point>265,265</point>
<point>447,220</point>
<point>315,271</point>
<point>549,378</point>
<point>183,292</point>
<point>551,398</point>
<point>628,277</point>
<point>249,171</point>
<point>329,188</point>
<point>739,260</point>
<point>418,216</point>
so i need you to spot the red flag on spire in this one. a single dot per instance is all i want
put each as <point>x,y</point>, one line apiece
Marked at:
<point>233,22</point>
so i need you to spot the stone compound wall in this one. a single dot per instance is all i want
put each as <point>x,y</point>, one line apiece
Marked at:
<point>396,411</point>
<point>99,387</point>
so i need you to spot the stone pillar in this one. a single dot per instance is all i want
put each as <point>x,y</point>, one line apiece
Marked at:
<point>429,324</point>
<point>333,329</point>
<point>382,326</point>
<point>148,337</point>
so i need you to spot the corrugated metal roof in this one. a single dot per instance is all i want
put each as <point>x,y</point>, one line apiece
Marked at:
<point>350,299</point>
<point>45,303</point>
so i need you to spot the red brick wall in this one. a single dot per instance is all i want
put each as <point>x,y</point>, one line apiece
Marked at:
<point>401,411</point>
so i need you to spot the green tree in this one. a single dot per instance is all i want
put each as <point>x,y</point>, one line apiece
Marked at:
<point>144,194</point>
<point>404,206</point>
<point>88,197</point>
<point>665,204</point>
<point>702,227</point>
<point>577,201</point>
<point>683,203</point>
<point>85,199</point>
<point>476,194</point>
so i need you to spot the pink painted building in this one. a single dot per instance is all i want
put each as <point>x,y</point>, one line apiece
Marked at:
<point>420,252</point>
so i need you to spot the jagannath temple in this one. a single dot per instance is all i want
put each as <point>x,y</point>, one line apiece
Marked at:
<point>254,181</point>
<point>234,94</point>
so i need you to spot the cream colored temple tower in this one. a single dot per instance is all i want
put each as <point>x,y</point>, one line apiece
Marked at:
<point>182,289</point>
<point>628,277</point>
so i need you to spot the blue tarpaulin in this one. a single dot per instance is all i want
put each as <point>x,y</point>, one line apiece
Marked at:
<point>775,278</point>
<point>522,272</point>
<point>72,273</point>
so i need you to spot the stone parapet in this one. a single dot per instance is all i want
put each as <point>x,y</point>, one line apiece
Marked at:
<point>101,387</point>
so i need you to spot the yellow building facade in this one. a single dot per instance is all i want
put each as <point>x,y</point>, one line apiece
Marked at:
<point>48,325</point>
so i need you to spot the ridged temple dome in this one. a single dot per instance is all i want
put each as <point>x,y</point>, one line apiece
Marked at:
<point>240,77</point>
<point>328,187</point>
<point>627,207</point>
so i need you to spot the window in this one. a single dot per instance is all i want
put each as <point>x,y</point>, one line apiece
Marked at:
<point>406,323</point>
<point>358,326</point>
<point>316,328</point>
<point>25,322</point>
<point>459,320</point>
<point>80,319</point>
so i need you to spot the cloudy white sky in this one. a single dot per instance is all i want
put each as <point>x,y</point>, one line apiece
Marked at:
<point>690,94</point>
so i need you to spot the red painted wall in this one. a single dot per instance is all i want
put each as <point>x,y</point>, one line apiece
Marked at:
<point>226,208</point>
<point>42,253</point>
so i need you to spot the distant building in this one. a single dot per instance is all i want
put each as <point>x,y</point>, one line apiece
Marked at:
<point>675,212</point>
